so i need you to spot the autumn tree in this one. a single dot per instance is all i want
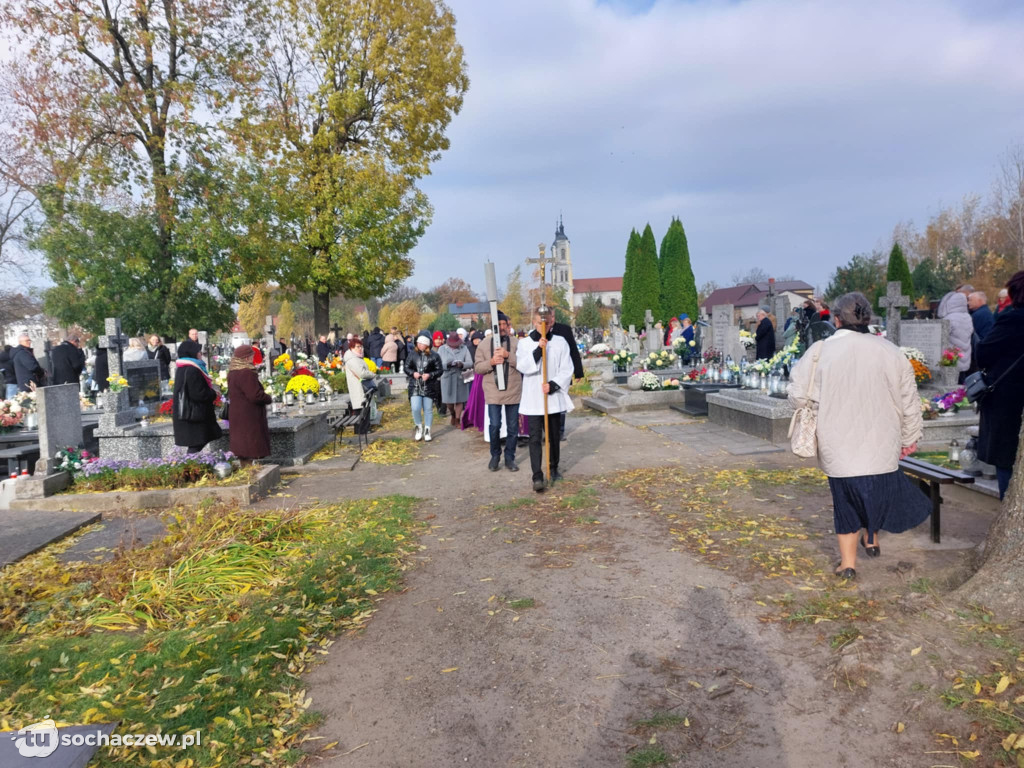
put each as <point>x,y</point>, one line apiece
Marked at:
<point>253,308</point>
<point>353,108</point>
<point>863,273</point>
<point>285,320</point>
<point>454,290</point>
<point>1008,200</point>
<point>589,313</point>
<point>107,106</point>
<point>513,303</point>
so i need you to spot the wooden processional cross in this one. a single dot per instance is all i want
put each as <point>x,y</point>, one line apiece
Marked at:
<point>542,262</point>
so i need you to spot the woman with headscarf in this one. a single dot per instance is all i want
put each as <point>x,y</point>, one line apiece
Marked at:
<point>423,368</point>
<point>869,417</point>
<point>195,399</point>
<point>249,433</point>
<point>455,359</point>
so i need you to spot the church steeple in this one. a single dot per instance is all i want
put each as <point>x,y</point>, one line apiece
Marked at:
<point>561,276</point>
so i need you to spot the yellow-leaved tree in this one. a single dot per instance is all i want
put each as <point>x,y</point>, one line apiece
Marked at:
<point>253,308</point>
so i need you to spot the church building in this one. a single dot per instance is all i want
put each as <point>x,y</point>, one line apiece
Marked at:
<point>607,289</point>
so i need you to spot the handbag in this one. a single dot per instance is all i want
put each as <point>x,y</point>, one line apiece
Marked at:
<point>976,388</point>
<point>225,410</point>
<point>803,427</point>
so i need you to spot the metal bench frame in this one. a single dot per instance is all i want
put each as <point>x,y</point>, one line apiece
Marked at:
<point>930,477</point>
<point>360,422</point>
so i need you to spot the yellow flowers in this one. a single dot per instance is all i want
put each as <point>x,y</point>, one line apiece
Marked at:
<point>303,384</point>
<point>117,383</point>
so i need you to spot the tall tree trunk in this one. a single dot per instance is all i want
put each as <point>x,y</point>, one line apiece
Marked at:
<point>321,313</point>
<point>1000,579</point>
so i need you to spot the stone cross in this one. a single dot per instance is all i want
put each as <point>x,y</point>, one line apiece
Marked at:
<point>892,301</point>
<point>113,341</point>
<point>336,330</point>
<point>268,338</point>
<point>652,338</point>
<point>633,341</point>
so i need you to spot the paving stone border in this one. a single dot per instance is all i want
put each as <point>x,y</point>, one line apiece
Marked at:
<point>267,478</point>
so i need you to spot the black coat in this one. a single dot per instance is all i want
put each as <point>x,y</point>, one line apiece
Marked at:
<point>374,345</point>
<point>163,356</point>
<point>982,319</point>
<point>1001,409</point>
<point>563,330</point>
<point>101,370</point>
<point>425,362</point>
<point>765,339</point>
<point>7,367</point>
<point>68,363</point>
<point>323,349</point>
<point>201,426</point>
<point>27,368</point>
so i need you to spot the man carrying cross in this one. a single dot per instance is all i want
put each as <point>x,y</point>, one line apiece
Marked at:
<point>555,391</point>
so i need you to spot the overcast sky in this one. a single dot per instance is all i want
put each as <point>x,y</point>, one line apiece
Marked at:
<point>787,135</point>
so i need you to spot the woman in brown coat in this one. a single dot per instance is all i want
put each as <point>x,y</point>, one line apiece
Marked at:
<point>247,414</point>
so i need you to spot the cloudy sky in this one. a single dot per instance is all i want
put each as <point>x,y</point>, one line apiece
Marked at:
<point>786,134</point>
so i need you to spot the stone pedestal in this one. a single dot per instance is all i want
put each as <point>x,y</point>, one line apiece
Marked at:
<point>116,411</point>
<point>695,402</point>
<point>752,412</point>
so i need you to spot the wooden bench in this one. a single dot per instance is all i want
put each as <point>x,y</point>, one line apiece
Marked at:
<point>360,423</point>
<point>19,453</point>
<point>930,477</point>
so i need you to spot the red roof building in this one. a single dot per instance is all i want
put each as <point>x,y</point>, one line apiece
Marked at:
<point>607,289</point>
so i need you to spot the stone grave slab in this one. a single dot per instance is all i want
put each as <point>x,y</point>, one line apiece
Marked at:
<point>143,381</point>
<point>929,336</point>
<point>60,422</point>
<point>726,336</point>
<point>23,533</point>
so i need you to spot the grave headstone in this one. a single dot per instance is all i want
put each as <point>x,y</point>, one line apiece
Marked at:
<point>60,423</point>
<point>633,341</point>
<point>928,336</point>
<point>781,307</point>
<point>891,302</point>
<point>726,336</point>
<point>652,336</point>
<point>114,342</point>
<point>204,349</point>
<point>616,337</point>
<point>143,381</point>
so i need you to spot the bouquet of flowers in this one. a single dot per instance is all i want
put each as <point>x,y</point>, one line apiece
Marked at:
<point>599,350</point>
<point>694,374</point>
<point>680,345</point>
<point>928,409</point>
<point>912,353</point>
<point>649,382</point>
<point>712,356</point>
<point>370,364</point>
<point>921,373</point>
<point>623,358</point>
<point>73,459</point>
<point>658,360</point>
<point>670,384</point>
<point>302,384</point>
<point>950,357</point>
<point>746,339</point>
<point>11,414</point>
<point>283,363</point>
<point>117,383</point>
<point>951,401</point>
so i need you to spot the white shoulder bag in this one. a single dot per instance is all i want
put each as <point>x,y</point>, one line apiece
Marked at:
<point>803,428</point>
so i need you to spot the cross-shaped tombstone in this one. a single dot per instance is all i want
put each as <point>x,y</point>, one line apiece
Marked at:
<point>336,330</point>
<point>892,301</point>
<point>113,341</point>
<point>268,338</point>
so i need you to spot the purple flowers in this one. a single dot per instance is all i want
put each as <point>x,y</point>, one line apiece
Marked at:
<point>950,400</point>
<point>176,458</point>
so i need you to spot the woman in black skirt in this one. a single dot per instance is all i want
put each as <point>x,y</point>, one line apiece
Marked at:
<point>869,417</point>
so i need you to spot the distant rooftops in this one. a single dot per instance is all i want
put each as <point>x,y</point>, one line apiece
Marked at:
<point>753,294</point>
<point>597,285</point>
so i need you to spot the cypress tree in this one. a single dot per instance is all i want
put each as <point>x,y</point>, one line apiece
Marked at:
<point>899,270</point>
<point>648,282</point>
<point>678,289</point>
<point>630,297</point>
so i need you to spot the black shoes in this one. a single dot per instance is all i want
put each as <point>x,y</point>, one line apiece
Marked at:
<point>511,466</point>
<point>538,485</point>
<point>493,465</point>
<point>555,476</point>
<point>873,550</point>
<point>846,573</point>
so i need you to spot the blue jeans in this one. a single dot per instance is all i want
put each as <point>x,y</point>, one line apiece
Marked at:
<point>426,405</point>
<point>1003,478</point>
<point>12,390</point>
<point>494,430</point>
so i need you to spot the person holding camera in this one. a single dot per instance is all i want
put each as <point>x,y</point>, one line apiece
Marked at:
<point>455,359</point>
<point>1001,356</point>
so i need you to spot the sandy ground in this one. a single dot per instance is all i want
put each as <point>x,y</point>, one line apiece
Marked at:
<point>452,672</point>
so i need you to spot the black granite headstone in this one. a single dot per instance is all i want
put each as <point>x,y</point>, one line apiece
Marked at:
<point>143,381</point>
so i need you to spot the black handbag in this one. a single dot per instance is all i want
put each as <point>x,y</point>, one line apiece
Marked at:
<point>977,389</point>
<point>224,410</point>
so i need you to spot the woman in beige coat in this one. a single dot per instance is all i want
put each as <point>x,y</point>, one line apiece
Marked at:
<point>869,417</point>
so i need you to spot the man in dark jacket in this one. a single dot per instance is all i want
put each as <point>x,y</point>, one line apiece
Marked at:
<point>68,361</point>
<point>981,316</point>
<point>26,368</point>
<point>323,349</point>
<point>375,345</point>
<point>764,336</point>
<point>7,371</point>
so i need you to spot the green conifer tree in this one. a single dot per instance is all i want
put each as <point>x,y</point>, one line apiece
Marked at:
<point>678,288</point>
<point>899,270</point>
<point>647,283</point>
<point>630,298</point>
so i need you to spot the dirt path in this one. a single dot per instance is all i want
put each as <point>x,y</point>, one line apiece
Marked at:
<point>540,636</point>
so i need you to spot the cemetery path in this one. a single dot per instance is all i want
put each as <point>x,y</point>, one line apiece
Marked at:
<point>539,632</point>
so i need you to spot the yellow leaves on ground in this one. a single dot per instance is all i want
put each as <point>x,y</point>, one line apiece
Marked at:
<point>391,451</point>
<point>916,651</point>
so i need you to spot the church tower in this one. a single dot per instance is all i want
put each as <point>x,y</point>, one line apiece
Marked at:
<point>561,270</point>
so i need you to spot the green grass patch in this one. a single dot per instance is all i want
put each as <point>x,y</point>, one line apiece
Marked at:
<point>844,637</point>
<point>584,498</point>
<point>520,503</point>
<point>521,604</point>
<point>660,720</point>
<point>648,757</point>
<point>939,458</point>
<point>587,520</point>
<point>922,585</point>
<point>214,626</point>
